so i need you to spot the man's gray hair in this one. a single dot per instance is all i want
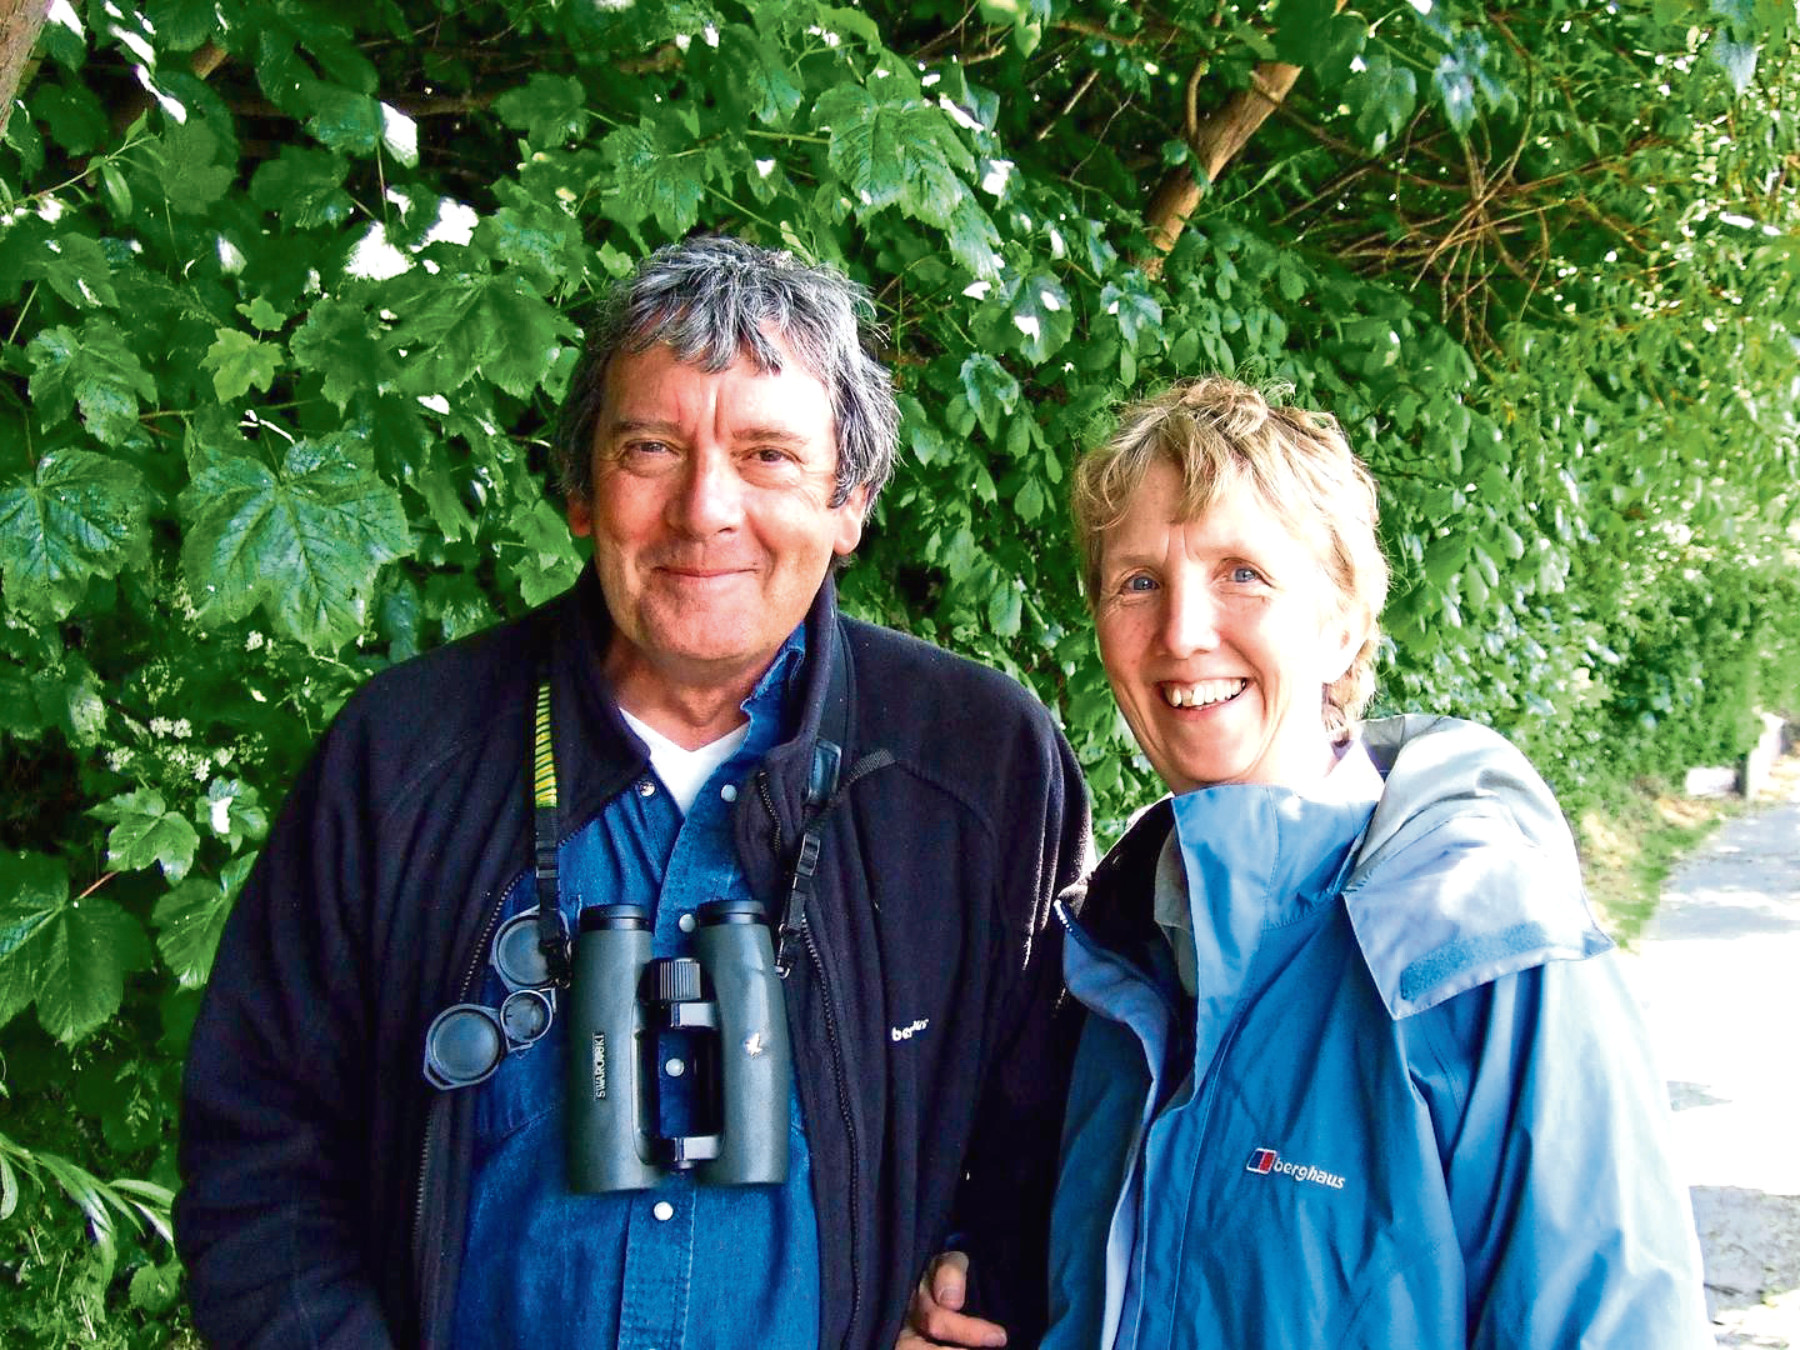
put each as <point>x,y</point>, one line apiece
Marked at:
<point>713,299</point>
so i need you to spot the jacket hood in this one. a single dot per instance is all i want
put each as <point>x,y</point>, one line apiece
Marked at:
<point>1467,871</point>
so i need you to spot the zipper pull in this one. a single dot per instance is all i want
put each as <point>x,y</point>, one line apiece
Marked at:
<point>793,913</point>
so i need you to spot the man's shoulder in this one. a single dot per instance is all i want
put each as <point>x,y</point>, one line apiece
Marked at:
<point>436,705</point>
<point>912,675</point>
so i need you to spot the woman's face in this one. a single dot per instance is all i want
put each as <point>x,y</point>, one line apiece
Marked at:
<point>1219,636</point>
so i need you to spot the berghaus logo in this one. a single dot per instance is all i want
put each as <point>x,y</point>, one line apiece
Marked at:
<point>1266,1162</point>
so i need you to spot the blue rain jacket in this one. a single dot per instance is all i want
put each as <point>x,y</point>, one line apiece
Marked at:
<point>1411,1104</point>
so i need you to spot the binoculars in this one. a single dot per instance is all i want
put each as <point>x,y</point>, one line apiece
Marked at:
<point>728,996</point>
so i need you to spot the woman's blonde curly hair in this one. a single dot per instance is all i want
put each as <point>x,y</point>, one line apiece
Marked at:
<point>1217,431</point>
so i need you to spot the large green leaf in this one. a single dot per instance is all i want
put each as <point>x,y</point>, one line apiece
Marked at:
<point>303,540</point>
<point>76,516</point>
<point>92,367</point>
<point>145,831</point>
<point>895,152</point>
<point>189,920</point>
<point>69,954</point>
<point>648,178</point>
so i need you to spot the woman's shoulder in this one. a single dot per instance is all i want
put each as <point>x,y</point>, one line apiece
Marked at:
<point>1467,870</point>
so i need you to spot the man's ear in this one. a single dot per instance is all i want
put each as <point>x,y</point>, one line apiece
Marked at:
<point>850,517</point>
<point>580,511</point>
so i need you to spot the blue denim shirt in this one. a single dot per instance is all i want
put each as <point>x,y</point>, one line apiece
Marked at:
<point>680,1267</point>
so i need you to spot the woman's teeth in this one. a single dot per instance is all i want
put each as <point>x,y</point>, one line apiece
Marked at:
<point>1200,695</point>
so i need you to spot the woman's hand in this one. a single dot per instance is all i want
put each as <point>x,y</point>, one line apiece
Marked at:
<point>933,1317</point>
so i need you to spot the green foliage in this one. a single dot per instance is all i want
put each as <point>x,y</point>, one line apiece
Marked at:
<point>285,337</point>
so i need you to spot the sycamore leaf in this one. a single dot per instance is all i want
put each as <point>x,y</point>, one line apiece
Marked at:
<point>189,919</point>
<point>191,182</point>
<point>32,889</point>
<point>758,76</point>
<point>548,562</point>
<point>233,811</point>
<point>344,119</point>
<point>649,180</point>
<point>93,368</point>
<point>76,268</point>
<point>238,361</point>
<point>304,540</point>
<point>338,341</point>
<point>145,831</point>
<point>68,698</point>
<point>304,186</point>
<point>70,955</point>
<point>76,516</point>
<point>546,242</point>
<point>549,109</point>
<point>993,392</point>
<point>494,323</point>
<point>897,152</point>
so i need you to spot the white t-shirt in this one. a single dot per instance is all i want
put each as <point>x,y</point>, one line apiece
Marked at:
<point>684,772</point>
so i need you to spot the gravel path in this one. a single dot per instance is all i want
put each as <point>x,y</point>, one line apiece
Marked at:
<point>1718,973</point>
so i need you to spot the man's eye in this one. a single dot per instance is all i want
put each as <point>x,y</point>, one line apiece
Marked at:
<point>1245,575</point>
<point>1138,584</point>
<point>768,454</point>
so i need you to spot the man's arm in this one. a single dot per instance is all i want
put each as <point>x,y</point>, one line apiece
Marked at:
<point>1003,1205</point>
<point>274,1119</point>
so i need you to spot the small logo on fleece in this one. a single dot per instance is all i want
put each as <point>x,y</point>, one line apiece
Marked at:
<point>906,1033</point>
<point>1264,1161</point>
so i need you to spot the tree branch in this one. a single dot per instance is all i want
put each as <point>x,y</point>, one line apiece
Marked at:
<point>1214,141</point>
<point>20,23</point>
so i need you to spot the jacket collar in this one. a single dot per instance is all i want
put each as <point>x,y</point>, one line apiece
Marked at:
<point>597,756</point>
<point>1263,854</point>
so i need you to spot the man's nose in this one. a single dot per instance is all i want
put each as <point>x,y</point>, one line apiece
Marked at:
<point>1191,622</point>
<point>710,496</point>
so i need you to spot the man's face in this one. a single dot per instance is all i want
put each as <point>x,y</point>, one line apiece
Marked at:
<point>711,514</point>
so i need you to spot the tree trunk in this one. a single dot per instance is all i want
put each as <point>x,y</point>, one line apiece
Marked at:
<point>20,21</point>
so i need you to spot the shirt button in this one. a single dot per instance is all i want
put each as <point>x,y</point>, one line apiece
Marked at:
<point>729,792</point>
<point>646,788</point>
<point>674,1068</point>
<point>687,923</point>
<point>663,1211</point>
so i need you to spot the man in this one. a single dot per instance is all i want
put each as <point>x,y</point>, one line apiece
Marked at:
<point>715,730</point>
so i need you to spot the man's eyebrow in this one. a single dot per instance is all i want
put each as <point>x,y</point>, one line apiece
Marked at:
<point>621,425</point>
<point>624,426</point>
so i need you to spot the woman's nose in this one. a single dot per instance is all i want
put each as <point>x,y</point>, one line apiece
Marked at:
<point>1191,622</point>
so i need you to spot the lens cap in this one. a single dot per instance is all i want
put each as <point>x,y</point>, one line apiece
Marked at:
<point>464,1045</point>
<point>525,1016</point>
<point>519,954</point>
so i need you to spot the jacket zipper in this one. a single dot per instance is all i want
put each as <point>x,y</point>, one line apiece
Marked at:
<point>843,1096</point>
<point>839,1080</point>
<point>432,1113</point>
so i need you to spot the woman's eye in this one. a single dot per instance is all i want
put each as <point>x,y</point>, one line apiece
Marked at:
<point>1245,575</point>
<point>1138,584</point>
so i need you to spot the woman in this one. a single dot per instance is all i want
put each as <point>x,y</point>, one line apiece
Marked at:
<point>1356,1070</point>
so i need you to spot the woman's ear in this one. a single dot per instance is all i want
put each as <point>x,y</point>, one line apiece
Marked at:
<point>1345,633</point>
